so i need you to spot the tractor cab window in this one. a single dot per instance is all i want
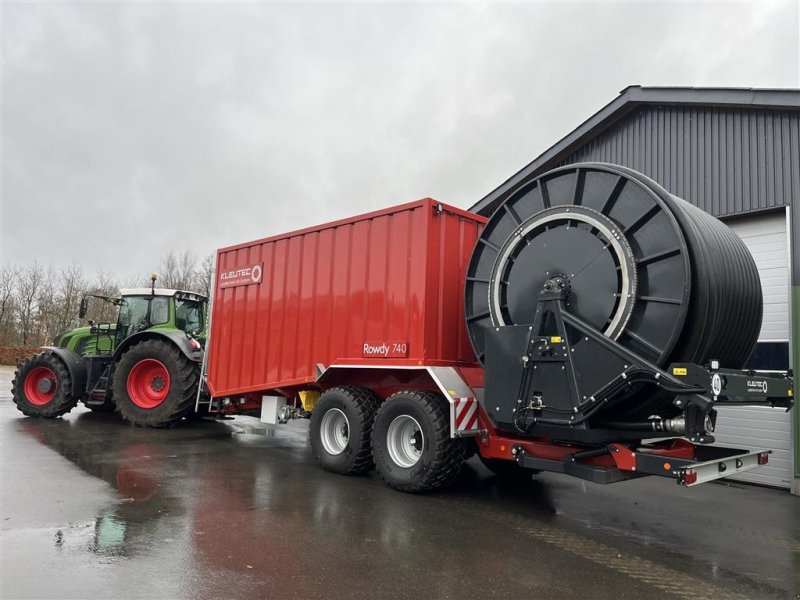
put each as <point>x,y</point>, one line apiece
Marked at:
<point>137,313</point>
<point>159,310</point>
<point>188,315</point>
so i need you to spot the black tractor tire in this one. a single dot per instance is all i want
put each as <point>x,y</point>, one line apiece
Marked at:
<point>341,429</point>
<point>433,459</point>
<point>155,384</point>
<point>42,387</point>
<point>508,469</point>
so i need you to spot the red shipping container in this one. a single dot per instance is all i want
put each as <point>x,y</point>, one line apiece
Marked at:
<point>384,288</point>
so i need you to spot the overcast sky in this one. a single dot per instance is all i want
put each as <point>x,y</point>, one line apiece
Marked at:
<point>132,129</point>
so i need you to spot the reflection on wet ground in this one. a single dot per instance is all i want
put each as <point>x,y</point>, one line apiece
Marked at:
<point>95,508</point>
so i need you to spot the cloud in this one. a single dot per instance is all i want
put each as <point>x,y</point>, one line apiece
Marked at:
<point>130,129</point>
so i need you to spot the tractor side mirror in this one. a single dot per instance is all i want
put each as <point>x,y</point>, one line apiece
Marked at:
<point>84,307</point>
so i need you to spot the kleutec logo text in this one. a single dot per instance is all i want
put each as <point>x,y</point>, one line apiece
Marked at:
<point>253,272</point>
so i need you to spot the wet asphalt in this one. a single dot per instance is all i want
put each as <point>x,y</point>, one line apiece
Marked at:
<point>94,508</point>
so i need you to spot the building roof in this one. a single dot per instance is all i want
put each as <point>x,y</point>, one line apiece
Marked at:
<point>628,100</point>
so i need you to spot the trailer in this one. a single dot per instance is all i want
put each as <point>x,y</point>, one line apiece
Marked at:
<point>590,327</point>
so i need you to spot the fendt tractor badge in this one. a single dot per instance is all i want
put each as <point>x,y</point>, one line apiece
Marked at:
<point>244,276</point>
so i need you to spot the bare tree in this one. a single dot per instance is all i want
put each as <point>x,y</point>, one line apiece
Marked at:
<point>37,302</point>
<point>105,284</point>
<point>202,283</point>
<point>72,286</point>
<point>9,276</point>
<point>136,281</point>
<point>46,308</point>
<point>28,289</point>
<point>188,270</point>
<point>168,269</point>
<point>177,271</point>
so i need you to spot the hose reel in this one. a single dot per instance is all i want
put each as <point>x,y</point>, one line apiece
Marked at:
<point>659,276</point>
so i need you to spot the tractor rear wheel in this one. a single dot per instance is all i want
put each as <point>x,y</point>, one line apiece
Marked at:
<point>155,384</point>
<point>341,427</point>
<point>42,387</point>
<point>411,442</point>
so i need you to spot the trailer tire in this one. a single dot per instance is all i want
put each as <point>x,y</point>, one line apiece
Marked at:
<point>411,442</point>
<point>42,387</point>
<point>155,384</point>
<point>341,428</point>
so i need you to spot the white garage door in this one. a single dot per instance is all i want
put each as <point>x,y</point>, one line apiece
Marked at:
<point>768,242</point>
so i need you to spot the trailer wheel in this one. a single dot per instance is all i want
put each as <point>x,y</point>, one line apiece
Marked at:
<point>155,384</point>
<point>341,424</point>
<point>42,387</point>
<point>411,442</point>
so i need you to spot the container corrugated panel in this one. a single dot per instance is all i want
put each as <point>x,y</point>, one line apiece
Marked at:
<point>395,277</point>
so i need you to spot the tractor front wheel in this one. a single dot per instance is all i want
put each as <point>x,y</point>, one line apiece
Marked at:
<point>42,387</point>
<point>155,384</point>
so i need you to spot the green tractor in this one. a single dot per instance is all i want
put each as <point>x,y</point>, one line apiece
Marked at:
<point>146,366</point>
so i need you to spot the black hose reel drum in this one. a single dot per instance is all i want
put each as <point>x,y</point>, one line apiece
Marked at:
<point>649,270</point>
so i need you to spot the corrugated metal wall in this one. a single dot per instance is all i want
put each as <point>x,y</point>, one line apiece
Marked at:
<point>724,160</point>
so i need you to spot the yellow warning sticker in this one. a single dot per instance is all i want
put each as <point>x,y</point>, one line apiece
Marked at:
<point>791,393</point>
<point>679,371</point>
<point>556,339</point>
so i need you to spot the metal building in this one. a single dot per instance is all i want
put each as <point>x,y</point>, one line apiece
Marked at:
<point>736,154</point>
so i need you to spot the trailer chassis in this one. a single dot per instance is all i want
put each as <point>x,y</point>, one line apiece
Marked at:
<point>675,458</point>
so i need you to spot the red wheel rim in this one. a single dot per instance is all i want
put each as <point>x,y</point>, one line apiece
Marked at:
<point>148,383</point>
<point>40,386</point>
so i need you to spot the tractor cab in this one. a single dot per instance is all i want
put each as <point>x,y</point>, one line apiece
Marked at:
<point>160,309</point>
<point>137,310</point>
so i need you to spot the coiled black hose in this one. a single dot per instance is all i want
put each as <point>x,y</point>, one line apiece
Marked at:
<point>658,275</point>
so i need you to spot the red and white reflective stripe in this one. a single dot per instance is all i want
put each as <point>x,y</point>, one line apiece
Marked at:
<point>466,414</point>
